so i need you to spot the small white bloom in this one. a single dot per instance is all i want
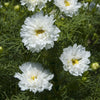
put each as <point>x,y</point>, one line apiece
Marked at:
<point>0,5</point>
<point>92,5</point>
<point>38,32</point>
<point>85,5</point>
<point>98,7</point>
<point>69,7</point>
<point>75,59</point>
<point>34,77</point>
<point>31,4</point>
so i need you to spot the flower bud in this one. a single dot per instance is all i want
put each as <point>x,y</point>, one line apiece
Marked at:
<point>1,49</point>
<point>84,78</point>
<point>62,18</point>
<point>90,26</point>
<point>6,4</point>
<point>16,7</point>
<point>95,66</point>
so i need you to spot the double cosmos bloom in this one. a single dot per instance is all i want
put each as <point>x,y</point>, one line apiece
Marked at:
<point>75,59</point>
<point>34,77</point>
<point>69,7</point>
<point>38,32</point>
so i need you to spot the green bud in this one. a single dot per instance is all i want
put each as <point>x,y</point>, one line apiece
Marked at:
<point>95,34</point>
<point>90,26</point>
<point>82,1</point>
<point>16,7</point>
<point>84,78</point>
<point>1,49</point>
<point>6,4</point>
<point>62,18</point>
<point>95,66</point>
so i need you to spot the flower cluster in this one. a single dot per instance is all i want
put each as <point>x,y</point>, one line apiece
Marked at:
<point>31,4</point>
<point>69,7</point>
<point>39,32</point>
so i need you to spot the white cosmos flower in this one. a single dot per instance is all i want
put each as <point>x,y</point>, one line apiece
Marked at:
<point>31,4</point>
<point>69,7</point>
<point>38,32</point>
<point>34,77</point>
<point>75,59</point>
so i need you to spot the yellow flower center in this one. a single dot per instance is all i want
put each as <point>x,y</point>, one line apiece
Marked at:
<point>67,3</point>
<point>40,31</point>
<point>34,77</point>
<point>75,61</point>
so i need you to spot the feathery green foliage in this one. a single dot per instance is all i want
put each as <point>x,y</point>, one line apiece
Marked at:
<point>82,29</point>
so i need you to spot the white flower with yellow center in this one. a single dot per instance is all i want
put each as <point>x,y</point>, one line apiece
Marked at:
<point>69,7</point>
<point>31,4</point>
<point>75,59</point>
<point>34,77</point>
<point>38,32</point>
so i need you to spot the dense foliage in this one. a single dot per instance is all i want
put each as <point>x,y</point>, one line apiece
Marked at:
<point>82,29</point>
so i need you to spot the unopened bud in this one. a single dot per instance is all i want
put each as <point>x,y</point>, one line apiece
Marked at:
<point>95,66</point>
<point>1,49</point>
<point>62,18</point>
<point>84,78</point>
<point>16,7</point>
<point>6,4</point>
